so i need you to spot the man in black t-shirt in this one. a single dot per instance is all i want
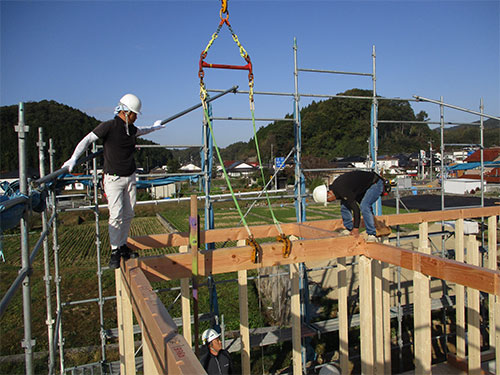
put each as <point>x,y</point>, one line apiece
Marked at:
<point>357,191</point>
<point>119,140</point>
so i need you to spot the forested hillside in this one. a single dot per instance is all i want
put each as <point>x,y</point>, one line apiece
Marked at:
<point>341,127</point>
<point>471,133</point>
<point>65,125</point>
<point>331,128</point>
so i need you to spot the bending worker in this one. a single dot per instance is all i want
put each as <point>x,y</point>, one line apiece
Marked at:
<point>216,361</point>
<point>119,139</point>
<point>357,191</point>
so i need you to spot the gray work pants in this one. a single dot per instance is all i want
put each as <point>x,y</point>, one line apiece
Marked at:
<point>121,193</point>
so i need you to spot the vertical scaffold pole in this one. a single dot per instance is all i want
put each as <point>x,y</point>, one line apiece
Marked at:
<point>98,252</point>
<point>47,278</point>
<point>374,126</point>
<point>28,342</point>
<point>57,278</point>
<point>441,119</point>
<point>300,213</point>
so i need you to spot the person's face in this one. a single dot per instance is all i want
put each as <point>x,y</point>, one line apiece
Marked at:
<point>132,116</point>
<point>330,197</point>
<point>216,345</point>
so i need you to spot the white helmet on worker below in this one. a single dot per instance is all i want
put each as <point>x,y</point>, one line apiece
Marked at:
<point>131,102</point>
<point>320,194</point>
<point>209,335</point>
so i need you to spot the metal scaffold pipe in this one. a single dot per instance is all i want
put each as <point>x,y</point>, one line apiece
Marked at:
<point>421,98</point>
<point>28,342</point>
<point>64,170</point>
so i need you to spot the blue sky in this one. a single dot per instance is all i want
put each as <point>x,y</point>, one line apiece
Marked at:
<point>88,54</point>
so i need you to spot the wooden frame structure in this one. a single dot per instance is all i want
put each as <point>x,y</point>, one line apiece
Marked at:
<point>165,351</point>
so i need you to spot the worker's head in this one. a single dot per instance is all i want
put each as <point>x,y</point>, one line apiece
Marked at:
<point>321,194</point>
<point>211,338</point>
<point>128,108</point>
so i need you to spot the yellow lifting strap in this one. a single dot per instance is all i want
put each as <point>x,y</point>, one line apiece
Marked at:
<point>287,244</point>
<point>256,249</point>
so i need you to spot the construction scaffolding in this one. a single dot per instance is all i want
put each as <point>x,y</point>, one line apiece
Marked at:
<point>164,350</point>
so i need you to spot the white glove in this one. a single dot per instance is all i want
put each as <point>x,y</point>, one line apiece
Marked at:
<point>70,164</point>
<point>146,130</point>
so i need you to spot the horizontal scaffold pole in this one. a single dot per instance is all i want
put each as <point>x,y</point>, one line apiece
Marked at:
<point>421,98</point>
<point>55,174</point>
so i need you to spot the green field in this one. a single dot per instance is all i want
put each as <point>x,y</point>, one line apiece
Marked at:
<point>78,271</point>
<point>78,275</point>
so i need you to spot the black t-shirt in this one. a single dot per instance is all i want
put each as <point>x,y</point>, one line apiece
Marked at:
<point>351,187</point>
<point>217,365</point>
<point>119,147</point>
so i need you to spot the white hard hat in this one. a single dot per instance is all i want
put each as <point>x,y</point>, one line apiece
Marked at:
<point>132,102</point>
<point>209,335</point>
<point>320,194</point>
<point>329,370</point>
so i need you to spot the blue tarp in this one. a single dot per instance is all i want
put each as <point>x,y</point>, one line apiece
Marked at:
<point>165,181</point>
<point>474,165</point>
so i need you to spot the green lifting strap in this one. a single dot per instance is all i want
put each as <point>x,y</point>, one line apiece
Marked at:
<point>225,173</point>
<point>276,222</point>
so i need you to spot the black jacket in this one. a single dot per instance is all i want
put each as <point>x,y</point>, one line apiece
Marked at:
<point>217,365</point>
<point>351,187</point>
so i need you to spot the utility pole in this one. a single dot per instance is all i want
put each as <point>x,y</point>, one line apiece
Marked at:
<point>430,161</point>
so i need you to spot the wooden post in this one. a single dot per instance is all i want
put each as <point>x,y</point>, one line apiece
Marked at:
<point>185,304</point>
<point>386,301</point>
<point>295,310</point>
<point>244,329</point>
<point>422,311</point>
<point>492,264</point>
<point>473,318</point>
<point>125,327</point>
<point>460,290</point>
<point>366,315</point>
<point>147,357</point>
<point>378,309</point>
<point>343,316</point>
<point>494,301</point>
<point>193,244</point>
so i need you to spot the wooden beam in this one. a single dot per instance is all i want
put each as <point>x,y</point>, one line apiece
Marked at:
<point>386,301</point>
<point>308,231</point>
<point>446,269</point>
<point>169,350</point>
<point>176,266</point>
<point>433,216</point>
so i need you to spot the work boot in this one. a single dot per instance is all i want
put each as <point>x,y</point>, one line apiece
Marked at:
<point>126,253</point>
<point>345,232</point>
<point>371,238</point>
<point>114,262</point>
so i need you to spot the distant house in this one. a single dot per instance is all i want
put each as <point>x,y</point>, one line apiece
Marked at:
<point>491,173</point>
<point>189,168</point>
<point>238,168</point>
